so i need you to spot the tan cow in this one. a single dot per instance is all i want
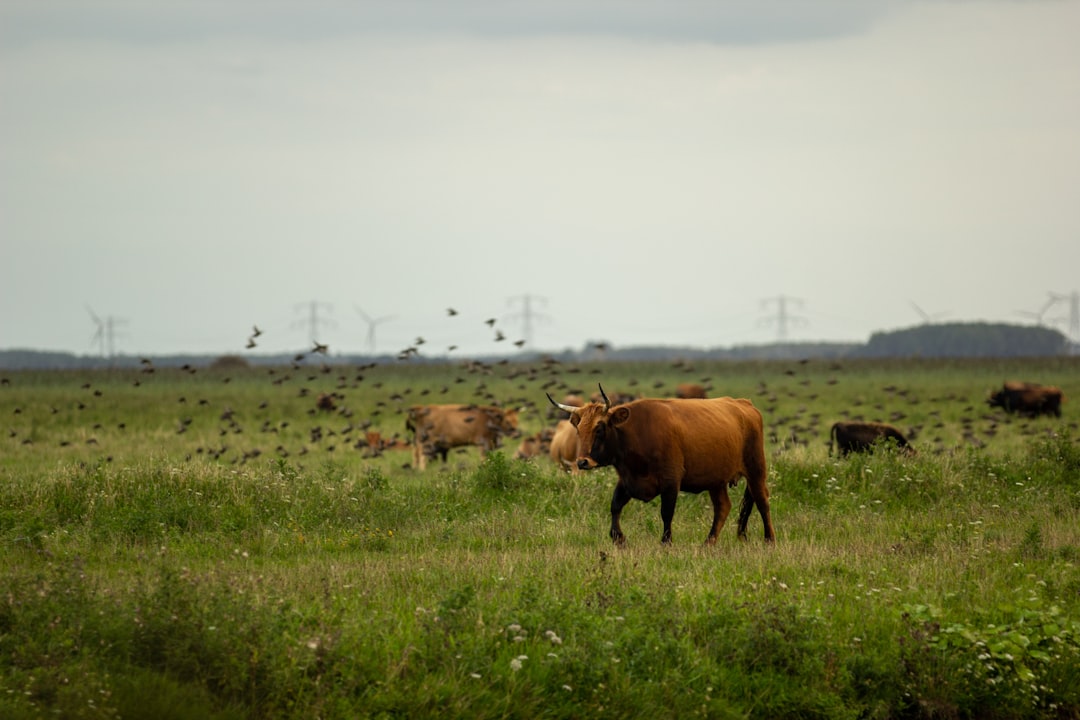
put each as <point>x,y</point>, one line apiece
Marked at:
<point>436,429</point>
<point>664,446</point>
<point>690,390</point>
<point>564,446</point>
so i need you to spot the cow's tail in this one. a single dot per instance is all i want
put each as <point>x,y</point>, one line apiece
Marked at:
<point>832,437</point>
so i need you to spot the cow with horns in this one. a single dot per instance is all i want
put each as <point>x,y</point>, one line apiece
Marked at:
<point>664,446</point>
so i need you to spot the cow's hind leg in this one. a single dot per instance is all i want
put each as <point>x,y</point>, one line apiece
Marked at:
<point>721,504</point>
<point>760,499</point>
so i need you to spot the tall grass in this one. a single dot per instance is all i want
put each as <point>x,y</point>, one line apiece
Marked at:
<point>144,578</point>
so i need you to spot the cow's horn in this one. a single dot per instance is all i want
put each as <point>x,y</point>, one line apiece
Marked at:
<point>607,403</point>
<point>565,408</point>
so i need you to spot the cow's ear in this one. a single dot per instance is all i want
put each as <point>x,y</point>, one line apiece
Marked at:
<point>620,415</point>
<point>575,418</point>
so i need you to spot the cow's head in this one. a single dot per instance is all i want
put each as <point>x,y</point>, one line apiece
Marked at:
<point>596,425</point>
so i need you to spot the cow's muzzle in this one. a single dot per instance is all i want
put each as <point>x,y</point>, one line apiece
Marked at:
<point>585,463</point>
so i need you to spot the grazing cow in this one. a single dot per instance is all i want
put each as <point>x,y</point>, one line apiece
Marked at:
<point>690,390</point>
<point>862,436</point>
<point>664,446</point>
<point>325,402</point>
<point>564,446</point>
<point>438,428</point>
<point>1029,399</point>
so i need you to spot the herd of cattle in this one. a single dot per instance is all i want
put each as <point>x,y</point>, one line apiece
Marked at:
<point>663,446</point>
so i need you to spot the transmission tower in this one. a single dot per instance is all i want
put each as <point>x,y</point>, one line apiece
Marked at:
<point>105,333</point>
<point>314,319</point>
<point>783,317</point>
<point>1073,319</point>
<point>528,315</point>
<point>372,323</point>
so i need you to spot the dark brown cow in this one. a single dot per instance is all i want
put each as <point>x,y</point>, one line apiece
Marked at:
<point>1029,399</point>
<point>863,436</point>
<point>564,446</point>
<point>690,391</point>
<point>664,446</point>
<point>438,428</point>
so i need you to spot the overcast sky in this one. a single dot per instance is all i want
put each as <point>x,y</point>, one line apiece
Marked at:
<point>640,172</point>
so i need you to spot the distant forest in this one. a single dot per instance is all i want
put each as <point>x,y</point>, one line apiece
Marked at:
<point>947,340</point>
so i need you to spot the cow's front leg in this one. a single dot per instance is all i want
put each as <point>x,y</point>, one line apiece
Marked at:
<point>667,512</point>
<point>619,498</point>
<point>721,504</point>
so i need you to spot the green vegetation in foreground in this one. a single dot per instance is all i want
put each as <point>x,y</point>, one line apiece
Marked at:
<point>177,579</point>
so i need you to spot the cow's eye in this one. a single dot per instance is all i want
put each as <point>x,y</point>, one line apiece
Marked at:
<point>598,436</point>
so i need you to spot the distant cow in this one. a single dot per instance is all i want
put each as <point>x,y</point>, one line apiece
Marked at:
<point>862,436</point>
<point>1029,399</point>
<point>617,398</point>
<point>535,444</point>
<point>438,428</point>
<point>690,391</point>
<point>564,446</point>
<point>664,446</point>
<point>325,402</point>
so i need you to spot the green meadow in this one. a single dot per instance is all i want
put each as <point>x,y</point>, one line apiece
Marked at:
<point>208,543</point>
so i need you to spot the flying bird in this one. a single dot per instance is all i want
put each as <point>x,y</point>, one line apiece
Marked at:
<point>451,312</point>
<point>251,342</point>
<point>490,322</point>
<point>255,331</point>
<point>320,348</point>
<point>499,336</point>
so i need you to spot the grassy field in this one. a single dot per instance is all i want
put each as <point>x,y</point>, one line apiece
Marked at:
<point>207,543</point>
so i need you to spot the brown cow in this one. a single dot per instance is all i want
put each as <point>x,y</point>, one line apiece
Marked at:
<point>438,428</point>
<point>863,436</point>
<point>1029,399</point>
<point>564,446</point>
<point>663,446</point>
<point>690,390</point>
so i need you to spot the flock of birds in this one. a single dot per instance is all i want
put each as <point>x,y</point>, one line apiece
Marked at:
<point>789,406</point>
